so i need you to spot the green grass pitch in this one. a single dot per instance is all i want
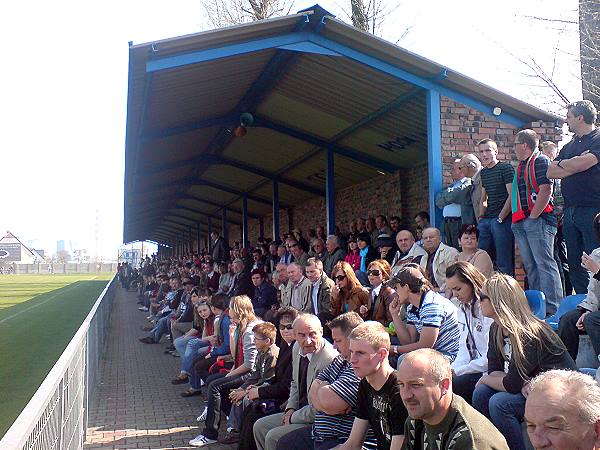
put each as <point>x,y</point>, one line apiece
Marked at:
<point>39,314</point>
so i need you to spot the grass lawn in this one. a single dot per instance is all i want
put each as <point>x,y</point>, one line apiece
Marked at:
<point>39,315</point>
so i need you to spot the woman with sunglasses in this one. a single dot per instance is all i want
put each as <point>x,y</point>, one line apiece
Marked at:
<point>347,294</point>
<point>431,320</point>
<point>269,397</point>
<point>466,283</point>
<point>380,295</point>
<point>520,347</point>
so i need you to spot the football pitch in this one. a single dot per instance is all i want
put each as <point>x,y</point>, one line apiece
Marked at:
<point>39,314</point>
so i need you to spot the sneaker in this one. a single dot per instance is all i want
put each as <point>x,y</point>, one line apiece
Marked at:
<point>147,340</point>
<point>201,441</point>
<point>202,416</point>
<point>229,429</point>
<point>143,308</point>
<point>231,438</point>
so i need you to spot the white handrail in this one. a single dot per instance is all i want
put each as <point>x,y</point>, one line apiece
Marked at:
<point>34,429</point>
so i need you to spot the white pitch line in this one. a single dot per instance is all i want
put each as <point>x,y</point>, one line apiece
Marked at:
<point>6,319</point>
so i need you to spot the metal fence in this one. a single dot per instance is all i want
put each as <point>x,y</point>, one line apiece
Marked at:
<point>56,415</point>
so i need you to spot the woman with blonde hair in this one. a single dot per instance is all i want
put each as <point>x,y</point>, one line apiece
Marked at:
<point>347,294</point>
<point>380,295</point>
<point>466,283</point>
<point>520,347</point>
<point>243,352</point>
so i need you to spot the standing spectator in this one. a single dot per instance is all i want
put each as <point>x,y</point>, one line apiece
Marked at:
<point>469,241</point>
<point>298,411</point>
<point>563,411</point>
<point>456,203</point>
<point>440,419</point>
<point>496,236</point>
<point>466,283</point>
<point>577,166</point>
<point>520,347</point>
<point>470,167</point>
<point>334,253</point>
<point>220,249</point>
<point>534,224</point>
<point>439,257</point>
<point>585,319</point>
<point>353,255</point>
<point>379,403</point>
<point>347,294</point>
<point>408,251</point>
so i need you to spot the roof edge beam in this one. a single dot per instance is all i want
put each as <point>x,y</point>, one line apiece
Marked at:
<point>188,127</point>
<point>412,78</point>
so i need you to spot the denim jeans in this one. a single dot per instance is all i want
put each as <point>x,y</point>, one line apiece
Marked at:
<point>497,239</point>
<point>161,328</point>
<point>181,342</point>
<point>535,238</point>
<point>195,349</point>
<point>505,411</point>
<point>578,230</point>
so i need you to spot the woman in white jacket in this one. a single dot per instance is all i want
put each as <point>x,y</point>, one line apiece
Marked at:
<point>466,282</point>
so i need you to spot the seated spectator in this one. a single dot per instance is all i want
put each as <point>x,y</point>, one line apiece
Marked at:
<point>299,254</point>
<point>422,220</point>
<point>320,294</point>
<point>181,321</point>
<point>280,280</point>
<point>562,411</point>
<point>258,260</point>
<point>431,320</point>
<point>469,242</point>
<point>284,255</point>
<point>212,277</point>
<point>437,415</point>
<point>265,295</point>
<point>439,257</point>
<point>297,291</point>
<point>225,278</point>
<point>242,285</point>
<point>268,398</point>
<point>334,254</point>
<point>167,309</point>
<point>317,249</point>
<point>367,254</point>
<point>353,255</point>
<point>243,352</point>
<point>303,243</point>
<point>195,343</point>
<point>408,252</point>
<point>466,283</point>
<point>264,370</point>
<point>320,233</point>
<point>380,294</point>
<point>333,394</point>
<point>386,247</point>
<point>347,294</point>
<point>379,405</point>
<point>520,347</point>
<point>298,411</point>
<point>585,319</point>
<point>272,258</point>
<point>371,229</point>
<point>395,226</point>
<point>220,346</point>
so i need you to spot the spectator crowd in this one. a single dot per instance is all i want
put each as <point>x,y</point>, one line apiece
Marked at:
<point>381,336</point>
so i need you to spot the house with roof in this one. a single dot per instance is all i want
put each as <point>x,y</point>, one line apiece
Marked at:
<point>12,250</point>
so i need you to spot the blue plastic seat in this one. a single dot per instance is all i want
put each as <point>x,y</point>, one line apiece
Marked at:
<point>537,303</point>
<point>566,304</point>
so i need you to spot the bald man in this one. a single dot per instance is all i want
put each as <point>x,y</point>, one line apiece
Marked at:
<point>439,257</point>
<point>408,251</point>
<point>310,355</point>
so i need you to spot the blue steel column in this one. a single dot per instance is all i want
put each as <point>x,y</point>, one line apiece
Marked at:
<point>224,226</point>
<point>330,192</point>
<point>245,240</point>
<point>434,154</point>
<point>275,211</point>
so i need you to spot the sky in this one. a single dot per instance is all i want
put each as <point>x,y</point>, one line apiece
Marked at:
<point>63,91</point>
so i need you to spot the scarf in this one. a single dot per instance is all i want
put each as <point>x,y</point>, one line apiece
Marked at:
<point>526,169</point>
<point>239,345</point>
<point>363,259</point>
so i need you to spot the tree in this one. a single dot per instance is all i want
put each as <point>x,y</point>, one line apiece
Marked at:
<point>589,42</point>
<point>371,16</point>
<point>224,13</point>
<point>62,256</point>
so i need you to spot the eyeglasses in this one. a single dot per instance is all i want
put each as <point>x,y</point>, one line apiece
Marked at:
<point>374,272</point>
<point>286,327</point>
<point>339,277</point>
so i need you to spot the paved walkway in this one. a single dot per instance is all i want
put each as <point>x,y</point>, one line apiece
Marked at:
<point>135,404</point>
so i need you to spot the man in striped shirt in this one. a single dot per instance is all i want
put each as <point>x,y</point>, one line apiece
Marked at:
<point>333,394</point>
